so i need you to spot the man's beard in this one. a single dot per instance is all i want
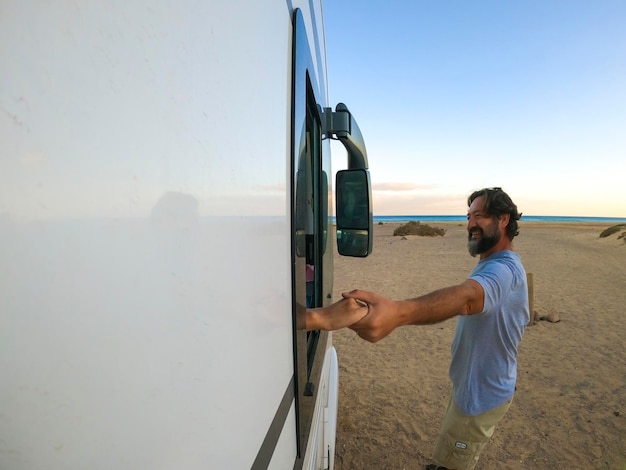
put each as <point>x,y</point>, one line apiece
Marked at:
<point>485,242</point>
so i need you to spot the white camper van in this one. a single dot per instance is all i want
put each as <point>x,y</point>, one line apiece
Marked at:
<point>165,218</point>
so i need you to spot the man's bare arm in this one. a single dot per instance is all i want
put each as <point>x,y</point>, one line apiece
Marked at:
<point>385,314</point>
<point>463,299</point>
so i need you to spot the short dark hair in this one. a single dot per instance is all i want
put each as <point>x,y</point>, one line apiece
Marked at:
<point>498,203</point>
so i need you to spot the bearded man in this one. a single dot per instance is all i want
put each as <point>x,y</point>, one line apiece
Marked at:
<point>493,308</point>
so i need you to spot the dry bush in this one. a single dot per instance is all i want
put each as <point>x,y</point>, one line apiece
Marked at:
<point>417,228</point>
<point>614,229</point>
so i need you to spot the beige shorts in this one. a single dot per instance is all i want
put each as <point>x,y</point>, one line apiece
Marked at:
<point>462,438</point>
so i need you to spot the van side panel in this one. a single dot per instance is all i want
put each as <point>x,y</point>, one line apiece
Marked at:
<point>145,272</point>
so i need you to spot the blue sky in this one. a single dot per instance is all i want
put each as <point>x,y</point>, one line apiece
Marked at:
<point>453,96</point>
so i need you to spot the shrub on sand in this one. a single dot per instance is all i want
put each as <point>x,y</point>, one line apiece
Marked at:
<point>417,228</point>
<point>614,229</point>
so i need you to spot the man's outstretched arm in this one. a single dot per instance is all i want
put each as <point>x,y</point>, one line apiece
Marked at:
<point>385,314</point>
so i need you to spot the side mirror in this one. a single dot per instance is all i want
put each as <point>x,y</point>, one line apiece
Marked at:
<point>354,212</point>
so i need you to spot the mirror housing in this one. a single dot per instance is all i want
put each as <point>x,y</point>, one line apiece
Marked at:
<point>354,212</point>
<point>353,188</point>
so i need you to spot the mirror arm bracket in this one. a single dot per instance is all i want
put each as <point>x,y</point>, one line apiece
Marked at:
<point>342,124</point>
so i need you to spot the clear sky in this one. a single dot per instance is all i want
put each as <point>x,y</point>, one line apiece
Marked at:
<point>452,96</point>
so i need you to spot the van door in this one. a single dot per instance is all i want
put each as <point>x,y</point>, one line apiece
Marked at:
<point>312,252</point>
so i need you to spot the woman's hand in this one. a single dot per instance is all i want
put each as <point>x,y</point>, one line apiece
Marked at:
<point>336,316</point>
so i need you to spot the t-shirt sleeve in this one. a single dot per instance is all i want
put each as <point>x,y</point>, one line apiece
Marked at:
<point>496,280</point>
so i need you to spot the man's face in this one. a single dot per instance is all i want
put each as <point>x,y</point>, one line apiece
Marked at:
<point>483,230</point>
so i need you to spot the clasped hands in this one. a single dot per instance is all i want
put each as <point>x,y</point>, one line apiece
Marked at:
<point>370,315</point>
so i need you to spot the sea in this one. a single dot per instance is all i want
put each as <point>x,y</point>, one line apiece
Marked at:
<point>525,218</point>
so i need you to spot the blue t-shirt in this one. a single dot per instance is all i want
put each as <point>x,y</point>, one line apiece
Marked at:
<point>484,350</point>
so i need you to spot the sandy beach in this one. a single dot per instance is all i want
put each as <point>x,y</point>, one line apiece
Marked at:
<point>569,411</point>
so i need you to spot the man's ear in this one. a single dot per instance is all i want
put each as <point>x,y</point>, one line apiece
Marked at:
<point>504,219</point>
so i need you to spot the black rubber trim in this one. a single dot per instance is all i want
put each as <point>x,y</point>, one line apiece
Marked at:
<point>266,451</point>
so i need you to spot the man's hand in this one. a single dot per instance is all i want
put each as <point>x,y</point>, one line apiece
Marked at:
<point>336,316</point>
<point>382,318</point>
